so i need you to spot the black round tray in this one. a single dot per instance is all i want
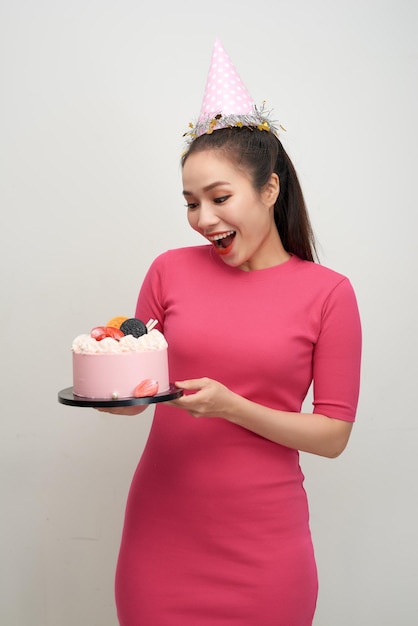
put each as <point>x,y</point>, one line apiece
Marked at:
<point>66,396</point>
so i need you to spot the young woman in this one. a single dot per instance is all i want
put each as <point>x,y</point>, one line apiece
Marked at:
<point>217,524</point>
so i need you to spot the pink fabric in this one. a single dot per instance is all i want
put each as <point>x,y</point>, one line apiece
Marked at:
<point>217,525</point>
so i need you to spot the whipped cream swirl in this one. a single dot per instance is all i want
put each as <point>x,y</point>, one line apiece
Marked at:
<point>85,344</point>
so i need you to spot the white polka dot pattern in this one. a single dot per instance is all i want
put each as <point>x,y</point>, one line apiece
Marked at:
<point>225,92</point>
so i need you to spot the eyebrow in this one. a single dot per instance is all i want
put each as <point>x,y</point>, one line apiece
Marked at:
<point>217,183</point>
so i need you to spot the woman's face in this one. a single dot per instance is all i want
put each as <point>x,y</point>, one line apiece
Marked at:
<point>223,206</point>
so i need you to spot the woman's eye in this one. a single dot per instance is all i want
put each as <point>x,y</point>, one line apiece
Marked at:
<point>191,205</point>
<point>221,199</point>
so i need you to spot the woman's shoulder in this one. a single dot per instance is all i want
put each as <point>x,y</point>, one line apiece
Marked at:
<point>321,282</point>
<point>183,256</point>
<point>318,272</point>
<point>182,261</point>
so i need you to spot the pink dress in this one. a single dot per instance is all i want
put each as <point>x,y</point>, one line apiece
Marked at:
<point>217,525</point>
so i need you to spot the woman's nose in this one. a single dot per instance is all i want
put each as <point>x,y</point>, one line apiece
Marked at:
<point>207,216</point>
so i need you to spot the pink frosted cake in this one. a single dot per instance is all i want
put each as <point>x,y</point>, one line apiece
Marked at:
<point>120,362</point>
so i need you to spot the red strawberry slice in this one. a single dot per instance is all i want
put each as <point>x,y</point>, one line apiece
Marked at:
<point>98,333</point>
<point>101,332</point>
<point>114,333</point>
<point>146,388</point>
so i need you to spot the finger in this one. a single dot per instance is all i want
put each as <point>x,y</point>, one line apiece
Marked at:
<point>185,401</point>
<point>192,383</point>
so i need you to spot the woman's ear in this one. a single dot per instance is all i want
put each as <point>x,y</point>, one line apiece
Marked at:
<point>271,190</point>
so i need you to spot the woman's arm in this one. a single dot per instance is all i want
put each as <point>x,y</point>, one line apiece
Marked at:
<point>314,433</point>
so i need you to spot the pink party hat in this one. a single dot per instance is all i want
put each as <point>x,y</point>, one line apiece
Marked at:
<point>227,102</point>
<point>225,92</point>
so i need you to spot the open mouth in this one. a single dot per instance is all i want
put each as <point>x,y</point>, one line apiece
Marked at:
<point>223,241</point>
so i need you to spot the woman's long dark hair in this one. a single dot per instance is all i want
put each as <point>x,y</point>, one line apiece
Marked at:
<point>261,153</point>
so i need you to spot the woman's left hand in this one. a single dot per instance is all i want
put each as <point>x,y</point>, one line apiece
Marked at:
<point>210,398</point>
<point>309,432</point>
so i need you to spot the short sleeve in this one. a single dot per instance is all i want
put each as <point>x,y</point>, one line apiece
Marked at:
<point>337,355</point>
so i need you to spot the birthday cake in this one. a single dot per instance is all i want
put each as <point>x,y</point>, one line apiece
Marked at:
<point>124,359</point>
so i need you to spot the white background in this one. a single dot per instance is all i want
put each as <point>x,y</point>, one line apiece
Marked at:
<point>95,96</point>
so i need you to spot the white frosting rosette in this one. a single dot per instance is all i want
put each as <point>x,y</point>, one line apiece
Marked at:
<point>153,340</point>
